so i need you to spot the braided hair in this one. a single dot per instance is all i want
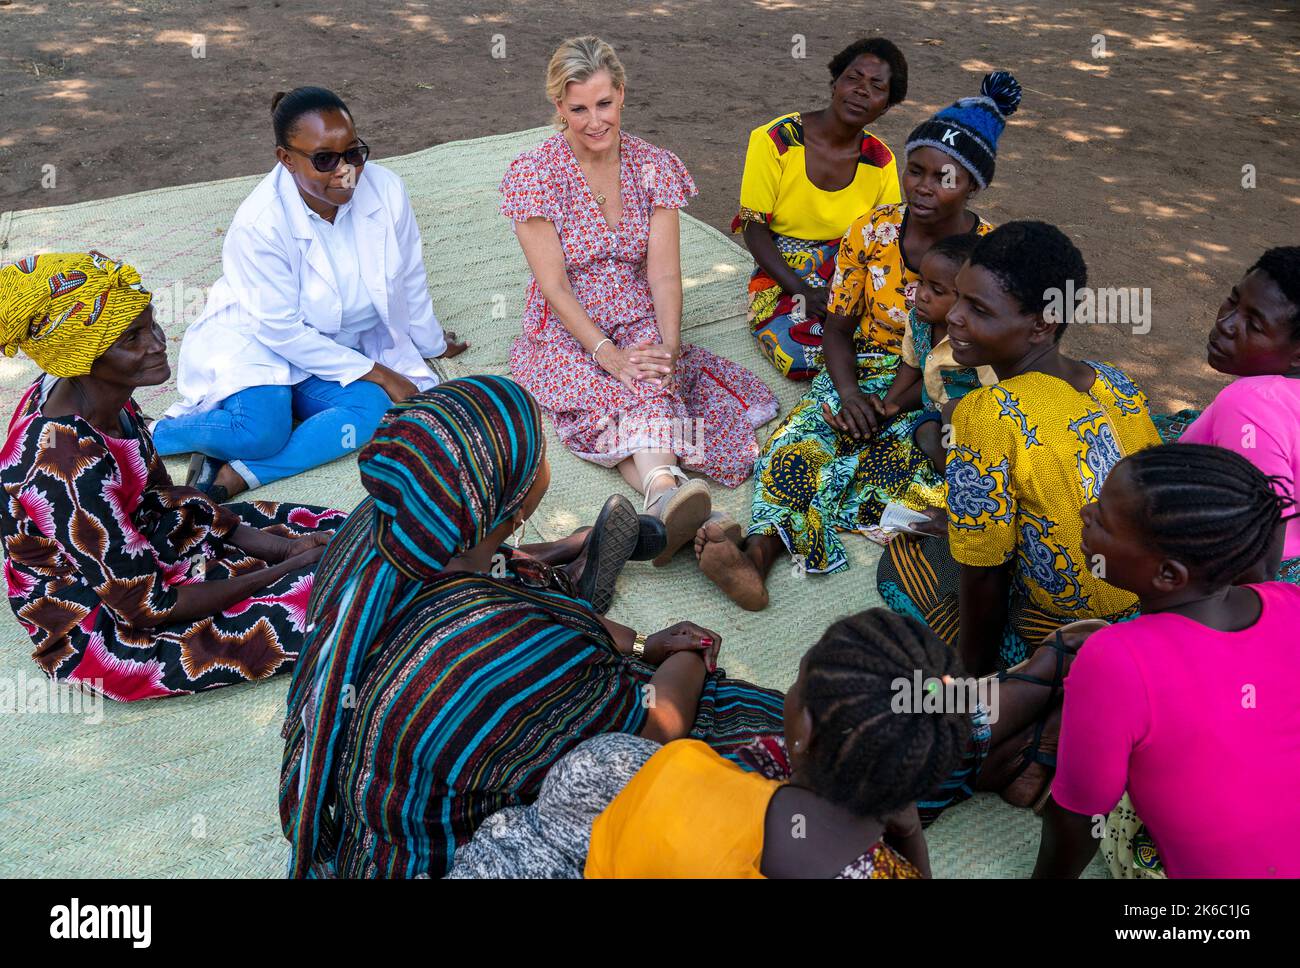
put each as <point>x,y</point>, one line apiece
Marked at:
<point>865,756</point>
<point>1208,507</point>
<point>1282,265</point>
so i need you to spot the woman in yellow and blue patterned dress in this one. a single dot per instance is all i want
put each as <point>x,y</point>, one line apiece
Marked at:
<point>840,456</point>
<point>1027,454</point>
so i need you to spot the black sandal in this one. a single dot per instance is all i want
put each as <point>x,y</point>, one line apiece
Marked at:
<point>1056,644</point>
<point>1033,753</point>
<point>202,476</point>
<point>610,545</point>
<point>202,472</point>
<point>651,538</point>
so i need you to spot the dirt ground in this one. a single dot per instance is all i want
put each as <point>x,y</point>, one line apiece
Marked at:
<point>1137,151</point>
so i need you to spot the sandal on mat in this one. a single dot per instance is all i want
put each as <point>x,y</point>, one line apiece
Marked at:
<point>682,509</point>
<point>1031,782</point>
<point>610,544</point>
<point>202,472</point>
<point>202,476</point>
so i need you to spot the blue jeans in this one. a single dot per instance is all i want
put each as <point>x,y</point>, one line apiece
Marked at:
<point>253,429</point>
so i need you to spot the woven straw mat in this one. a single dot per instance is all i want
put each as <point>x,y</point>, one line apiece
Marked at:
<point>187,787</point>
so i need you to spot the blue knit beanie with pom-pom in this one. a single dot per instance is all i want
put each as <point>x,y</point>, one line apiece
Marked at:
<point>969,130</point>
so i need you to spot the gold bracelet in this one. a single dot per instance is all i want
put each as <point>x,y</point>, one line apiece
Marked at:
<point>638,646</point>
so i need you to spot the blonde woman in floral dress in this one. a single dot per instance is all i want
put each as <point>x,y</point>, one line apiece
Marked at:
<point>596,214</point>
<point>840,455</point>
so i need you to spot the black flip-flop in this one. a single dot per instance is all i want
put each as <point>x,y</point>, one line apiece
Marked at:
<point>610,544</point>
<point>202,476</point>
<point>202,472</point>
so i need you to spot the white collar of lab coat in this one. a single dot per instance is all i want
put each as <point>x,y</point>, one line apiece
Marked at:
<point>365,202</point>
<point>371,233</point>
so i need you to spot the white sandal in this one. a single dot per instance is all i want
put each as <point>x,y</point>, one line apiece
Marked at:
<point>683,509</point>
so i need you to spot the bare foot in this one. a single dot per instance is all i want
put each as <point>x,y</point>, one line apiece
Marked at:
<point>728,567</point>
<point>455,346</point>
<point>722,522</point>
<point>1003,760</point>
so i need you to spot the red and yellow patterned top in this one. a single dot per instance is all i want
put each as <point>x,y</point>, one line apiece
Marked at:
<point>776,191</point>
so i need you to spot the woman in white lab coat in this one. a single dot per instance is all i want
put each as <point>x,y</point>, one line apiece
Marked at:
<point>322,312</point>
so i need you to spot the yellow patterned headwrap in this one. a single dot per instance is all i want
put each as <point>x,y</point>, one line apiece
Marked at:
<point>65,310</point>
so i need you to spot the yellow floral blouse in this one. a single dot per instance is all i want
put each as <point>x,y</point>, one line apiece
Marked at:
<point>872,279</point>
<point>1027,454</point>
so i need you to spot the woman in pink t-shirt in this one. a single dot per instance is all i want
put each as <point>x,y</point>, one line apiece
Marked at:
<point>1256,338</point>
<point>1190,707</point>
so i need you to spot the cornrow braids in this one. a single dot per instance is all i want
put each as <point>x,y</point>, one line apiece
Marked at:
<point>1282,265</point>
<point>865,756</point>
<point>1208,507</point>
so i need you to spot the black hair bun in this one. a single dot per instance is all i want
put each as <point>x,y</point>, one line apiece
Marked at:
<point>288,107</point>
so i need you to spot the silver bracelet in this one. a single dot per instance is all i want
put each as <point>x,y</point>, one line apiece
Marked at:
<point>599,345</point>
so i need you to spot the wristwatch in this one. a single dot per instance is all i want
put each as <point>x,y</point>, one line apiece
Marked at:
<point>638,646</point>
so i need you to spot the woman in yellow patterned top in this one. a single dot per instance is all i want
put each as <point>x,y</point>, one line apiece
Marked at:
<point>793,224</point>
<point>840,455</point>
<point>1027,454</point>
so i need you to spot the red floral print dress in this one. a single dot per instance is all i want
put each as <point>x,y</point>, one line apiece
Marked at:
<point>97,541</point>
<point>708,414</point>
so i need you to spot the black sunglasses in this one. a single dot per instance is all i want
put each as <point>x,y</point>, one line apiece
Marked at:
<point>329,160</point>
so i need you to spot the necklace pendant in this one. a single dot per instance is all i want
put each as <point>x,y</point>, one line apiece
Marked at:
<point>600,199</point>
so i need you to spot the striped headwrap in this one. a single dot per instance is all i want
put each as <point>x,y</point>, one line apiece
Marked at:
<point>444,470</point>
<point>65,310</point>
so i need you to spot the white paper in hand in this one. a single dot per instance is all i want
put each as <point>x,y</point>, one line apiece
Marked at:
<point>899,517</point>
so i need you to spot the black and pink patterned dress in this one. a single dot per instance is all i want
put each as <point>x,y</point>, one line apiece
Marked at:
<point>97,540</point>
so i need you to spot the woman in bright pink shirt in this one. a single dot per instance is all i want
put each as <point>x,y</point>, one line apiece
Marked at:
<point>1191,707</point>
<point>1256,338</point>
